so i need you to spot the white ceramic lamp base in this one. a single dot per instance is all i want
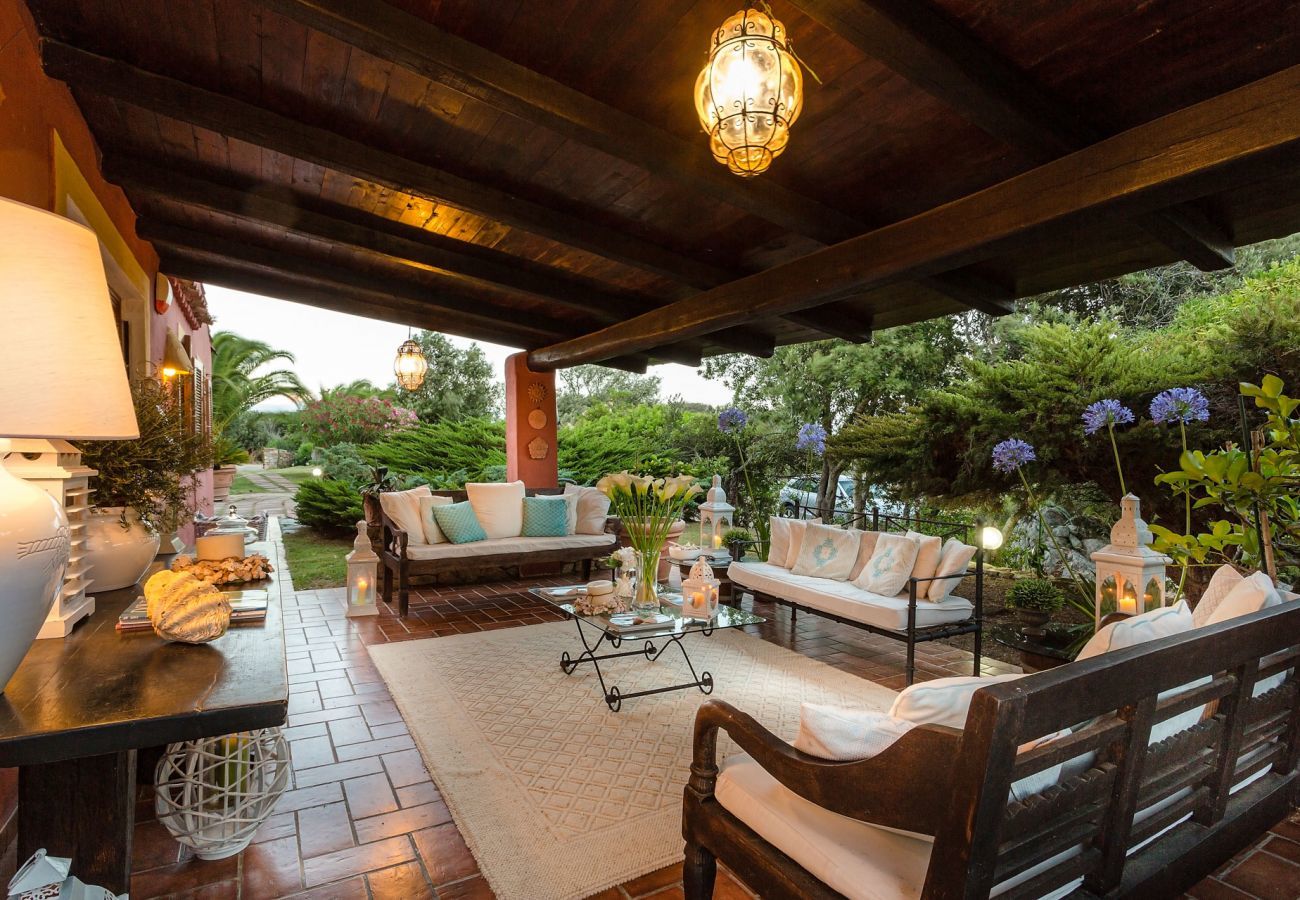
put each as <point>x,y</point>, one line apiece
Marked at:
<point>34,548</point>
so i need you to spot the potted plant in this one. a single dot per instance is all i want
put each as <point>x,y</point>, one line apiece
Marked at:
<point>1037,599</point>
<point>736,540</point>
<point>226,455</point>
<point>143,489</point>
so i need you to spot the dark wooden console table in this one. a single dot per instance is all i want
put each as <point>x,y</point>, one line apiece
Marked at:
<point>78,709</point>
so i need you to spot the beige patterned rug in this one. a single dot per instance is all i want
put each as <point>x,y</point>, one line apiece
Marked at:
<point>557,796</point>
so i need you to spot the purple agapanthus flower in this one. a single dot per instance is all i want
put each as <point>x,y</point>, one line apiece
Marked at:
<point>812,436</point>
<point>731,420</point>
<point>1183,405</point>
<point>1011,454</point>
<point>1105,413</point>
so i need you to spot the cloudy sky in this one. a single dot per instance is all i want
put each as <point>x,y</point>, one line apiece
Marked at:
<point>333,348</point>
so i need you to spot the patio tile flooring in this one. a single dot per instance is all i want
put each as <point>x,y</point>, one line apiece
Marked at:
<point>364,820</point>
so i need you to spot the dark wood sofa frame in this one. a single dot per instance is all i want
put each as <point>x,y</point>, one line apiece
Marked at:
<point>878,521</point>
<point>392,543</point>
<point>955,784</point>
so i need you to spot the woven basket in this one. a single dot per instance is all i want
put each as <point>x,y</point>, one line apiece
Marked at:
<point>214,793</point>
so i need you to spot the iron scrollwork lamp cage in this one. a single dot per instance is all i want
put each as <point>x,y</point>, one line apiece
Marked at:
<point>750,92</point>
<point>410,365</point>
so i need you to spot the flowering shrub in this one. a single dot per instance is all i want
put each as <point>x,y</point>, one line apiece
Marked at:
<point>351,419</point>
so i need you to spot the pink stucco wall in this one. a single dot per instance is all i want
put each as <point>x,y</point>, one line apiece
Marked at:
<point>200,351</point>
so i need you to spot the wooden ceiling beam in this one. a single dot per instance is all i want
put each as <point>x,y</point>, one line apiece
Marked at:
<point>837,321</point>
<point>389,33</point>
<point>938,55</point>
<point>1235,137</point>
<point>174,99</point>
<point>155,180</point>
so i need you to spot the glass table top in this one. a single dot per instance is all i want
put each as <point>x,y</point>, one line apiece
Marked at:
<point>1058,640</point>
<point>726,617</point>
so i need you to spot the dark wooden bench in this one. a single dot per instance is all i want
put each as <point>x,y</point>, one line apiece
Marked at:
<point>391,544</point>
<point>955,784</point>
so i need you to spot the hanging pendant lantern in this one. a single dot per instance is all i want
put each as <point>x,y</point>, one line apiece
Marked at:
<point>750,92</point>
<point>410,365</point>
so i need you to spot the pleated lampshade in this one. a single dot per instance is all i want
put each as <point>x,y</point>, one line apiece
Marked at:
<point>61,368</point>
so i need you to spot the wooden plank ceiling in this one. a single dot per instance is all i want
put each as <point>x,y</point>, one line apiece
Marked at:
<point>534,175</point>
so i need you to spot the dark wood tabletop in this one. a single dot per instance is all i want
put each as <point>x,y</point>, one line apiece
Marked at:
<point>102,691</point>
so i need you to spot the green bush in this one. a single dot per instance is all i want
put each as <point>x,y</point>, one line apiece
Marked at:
<point>444,452</point>
<point>1035,594</point>
<point>327,505</point>
<point>343,462</point>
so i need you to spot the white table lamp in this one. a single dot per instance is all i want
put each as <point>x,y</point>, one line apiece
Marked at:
<point>61,376</point>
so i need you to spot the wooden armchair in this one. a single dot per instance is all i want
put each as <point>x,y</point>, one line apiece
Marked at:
<point>1126,818</point>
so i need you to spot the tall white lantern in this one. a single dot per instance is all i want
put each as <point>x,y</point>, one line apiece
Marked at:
<point>716,515</point>
<point>1130,575</point>
<point>363,576</point>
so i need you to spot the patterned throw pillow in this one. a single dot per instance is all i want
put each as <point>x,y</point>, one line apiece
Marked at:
<point>458,523</point>
<point>545,517</point>
<point>890,566</point>
<point>827,552</point>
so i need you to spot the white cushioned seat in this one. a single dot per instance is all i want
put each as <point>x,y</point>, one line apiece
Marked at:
<point>842,598</point>
<point>859,860</point>
<point>493,546</point>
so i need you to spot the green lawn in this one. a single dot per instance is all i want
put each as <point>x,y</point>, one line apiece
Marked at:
<point>242,485</point>
<point>316,561</point>
<point>296,474</point>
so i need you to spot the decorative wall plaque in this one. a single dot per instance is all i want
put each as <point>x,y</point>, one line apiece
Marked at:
<point>537,419</point>
<point>538,448</point>
<point>537,392</point>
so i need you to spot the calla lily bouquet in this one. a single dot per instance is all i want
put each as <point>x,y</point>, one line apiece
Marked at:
<point>648,506</point>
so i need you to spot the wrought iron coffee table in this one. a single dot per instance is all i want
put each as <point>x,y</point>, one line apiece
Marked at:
<point>657,640</point>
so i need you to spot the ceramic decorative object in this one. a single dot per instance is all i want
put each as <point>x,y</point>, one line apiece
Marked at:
<point>34,542</point>
<point>222,478</point>
<point>45,877</point>
<point>538,448</point>
<point>700,591</point>
<point>184,609</point>
<point>537,419</point>
<point>214,793</point>
<point>118,556</point>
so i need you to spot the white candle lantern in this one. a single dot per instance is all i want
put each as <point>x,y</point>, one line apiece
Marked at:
<point>716,515</point>
<point>1130,575</point>
<point>700,592</point>
<point>363,576</point>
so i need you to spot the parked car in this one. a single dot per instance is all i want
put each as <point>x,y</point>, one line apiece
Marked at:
<point>800,494</point>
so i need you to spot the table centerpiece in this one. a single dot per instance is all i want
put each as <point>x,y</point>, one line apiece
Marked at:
<point>648,508</point>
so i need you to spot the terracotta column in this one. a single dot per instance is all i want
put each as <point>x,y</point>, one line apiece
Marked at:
<point>530,425</point>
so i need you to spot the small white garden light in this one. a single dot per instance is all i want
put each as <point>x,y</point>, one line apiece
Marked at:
<point>317,472</point>
<point>363,576</point>
<point>990,538</point>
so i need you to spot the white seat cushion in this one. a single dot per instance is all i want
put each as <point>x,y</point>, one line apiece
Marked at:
<point>493,546</point>
<point>861,861</point>
<point>499,507</point>
<point>842,598</point>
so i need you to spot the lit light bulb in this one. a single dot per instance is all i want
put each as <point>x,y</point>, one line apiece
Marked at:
<point>317,472</point>
<point>990,538</point>
<point>168,372</point>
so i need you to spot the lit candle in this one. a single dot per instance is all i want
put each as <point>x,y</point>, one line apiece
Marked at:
<point>1128,602</point>
<point>362,584</point>
<point>717,541</point>
<point>698,606</point>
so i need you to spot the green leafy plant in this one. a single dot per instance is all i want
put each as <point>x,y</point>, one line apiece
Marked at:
<point>329,506</point>
<point>1035,594</point>
<point>239,382</point>
<point>1247,495</point>
<point>151,474</point>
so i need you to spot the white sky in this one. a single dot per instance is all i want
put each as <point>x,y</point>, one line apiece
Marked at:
<point>334,348</point>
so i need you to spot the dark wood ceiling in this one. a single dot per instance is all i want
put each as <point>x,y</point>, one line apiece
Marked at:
<point>532,173</point>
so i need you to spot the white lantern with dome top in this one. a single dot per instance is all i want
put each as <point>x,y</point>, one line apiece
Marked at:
<point>716,516</point>
<point>1130,575</point>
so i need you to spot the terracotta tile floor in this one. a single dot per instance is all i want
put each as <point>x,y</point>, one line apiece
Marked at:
<point>364,820</point>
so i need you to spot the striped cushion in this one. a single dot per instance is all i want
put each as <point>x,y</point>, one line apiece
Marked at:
<point>458,523</point>
<point>545,517</point>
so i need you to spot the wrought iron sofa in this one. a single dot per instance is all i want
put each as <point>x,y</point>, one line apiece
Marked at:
<point>1135,819</point>
<point>402,559</point>
<point>902,618</point>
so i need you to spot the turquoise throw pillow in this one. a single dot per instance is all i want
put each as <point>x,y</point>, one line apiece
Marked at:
<point>544,517</point>
<point>458,523</point>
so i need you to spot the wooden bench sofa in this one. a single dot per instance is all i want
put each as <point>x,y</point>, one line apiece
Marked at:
<point>1138,818</point>
<point>402,559</point>
<point>902,618</point>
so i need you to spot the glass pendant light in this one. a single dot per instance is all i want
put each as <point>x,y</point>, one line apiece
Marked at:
<point>410,365</point>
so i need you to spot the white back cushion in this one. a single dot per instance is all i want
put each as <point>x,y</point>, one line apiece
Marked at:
<point>929,549</point>
<point>953,561</point>
<point>890,565</point>
<point>779,541</point>
<point>499,507</point>
<point>827,552</point>
<point>403,507</point>
<point>943,701</point>
<point>592,509</point>
<point>866,547</point>
<point>1225,578</point>
<point>833,732</point>
<point>1250,595</point>
<point>796,529</point>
